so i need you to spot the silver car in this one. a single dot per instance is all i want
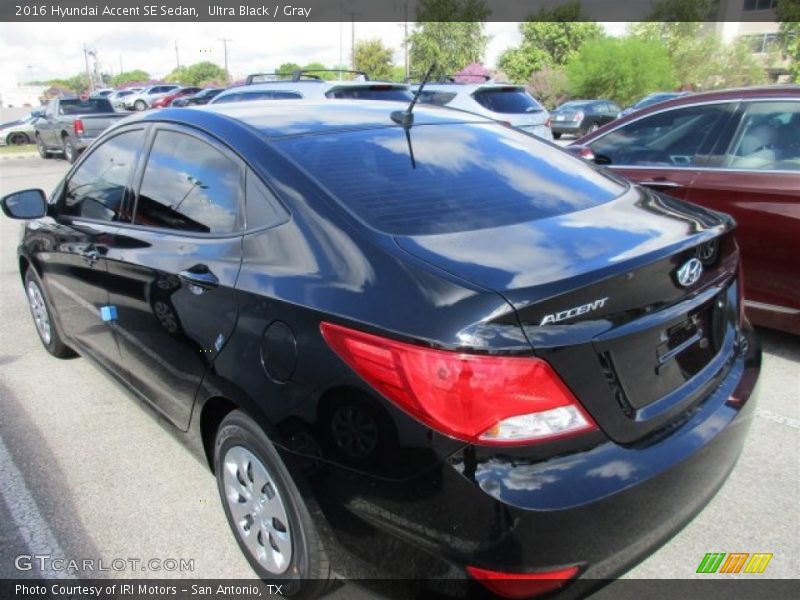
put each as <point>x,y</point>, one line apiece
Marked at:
<point>18,133</point>
<point>144,99</point>
<point>507,103</point>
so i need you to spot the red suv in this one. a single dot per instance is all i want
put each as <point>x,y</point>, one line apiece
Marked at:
<point>166,101</point>
<point>736,151</point>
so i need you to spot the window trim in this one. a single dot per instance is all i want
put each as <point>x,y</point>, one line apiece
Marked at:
<point>62,189</point>
<point>215,143</point>
<point>738,99</point>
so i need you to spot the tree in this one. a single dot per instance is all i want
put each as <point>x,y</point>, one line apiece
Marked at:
<point>287,68</point>
<point>198,74</point>
<point>448,33</point>
<point>622,69</point>
<point>551,37</point>
<point>473,73</point>
<point>787,13</point>
<point>128,77</point>
<point>374,58</point>
<point>549,86</point>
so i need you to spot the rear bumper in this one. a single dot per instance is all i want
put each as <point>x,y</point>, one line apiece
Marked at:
<point>603,509</point>
<point>568,127</point>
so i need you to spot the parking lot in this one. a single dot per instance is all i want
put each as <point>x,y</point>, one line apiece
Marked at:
<point>86,471</point>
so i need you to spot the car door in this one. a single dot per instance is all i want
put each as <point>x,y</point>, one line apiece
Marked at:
<point>90,204</point>
<point>755,176</point>
<point>666,149</point>
<point>174,268</point>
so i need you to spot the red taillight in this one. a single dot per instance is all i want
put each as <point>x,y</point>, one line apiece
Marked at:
<point>579,115</point>
<point>77,127</point>
<point>495,400</point>
<point>548,122</point>
<point>587,153</point>
<point>522,585</point>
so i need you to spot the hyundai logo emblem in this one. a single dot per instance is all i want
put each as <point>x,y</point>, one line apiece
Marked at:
<point>690,272</point>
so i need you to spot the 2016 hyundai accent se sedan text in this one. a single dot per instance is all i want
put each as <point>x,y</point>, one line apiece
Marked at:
<point>426,347</point>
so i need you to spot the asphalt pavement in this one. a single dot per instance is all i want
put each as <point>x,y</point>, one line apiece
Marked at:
<point>86,471</point>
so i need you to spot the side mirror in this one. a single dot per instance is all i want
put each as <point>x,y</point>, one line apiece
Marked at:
<point>37,114</point>
<point>583,152</point>
<point>27,204</point>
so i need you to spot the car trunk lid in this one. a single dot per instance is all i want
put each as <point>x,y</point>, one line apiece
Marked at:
<point>597,294</point>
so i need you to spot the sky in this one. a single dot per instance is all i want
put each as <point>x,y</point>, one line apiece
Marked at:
<point>40,51</point>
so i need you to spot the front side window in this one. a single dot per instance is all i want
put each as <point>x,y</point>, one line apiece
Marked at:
<point>99,186</point>
<point>677,137</point>
<point>768,138</point>
<point>189,185</point>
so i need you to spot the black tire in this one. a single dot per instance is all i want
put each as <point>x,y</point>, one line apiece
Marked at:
<point>308,573</point>
<point>70,152</point>
<point>556,136</point>
<point>55,345</point>
<point>43,152</point>
<point>139,105</point>
<point>17,139</point>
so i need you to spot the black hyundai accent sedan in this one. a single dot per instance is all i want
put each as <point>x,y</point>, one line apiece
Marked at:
<point>442,350</point>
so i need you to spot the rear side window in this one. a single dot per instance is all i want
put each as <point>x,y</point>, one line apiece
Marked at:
<point>98,187</point>
<point>266,95</point>
<point>678,137</point>
<point>189,185</point>
<point>466,177</point>
<point>768,138</point>
<point>509,100</point>
<point>370,93</point>
<point>85,107</point>
<point>436,98</point>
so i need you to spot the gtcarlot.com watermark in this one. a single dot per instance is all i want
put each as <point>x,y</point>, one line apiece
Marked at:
<point>48,563</point>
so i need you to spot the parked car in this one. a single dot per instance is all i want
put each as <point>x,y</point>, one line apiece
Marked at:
<point>510,104</point>
<point>736,151</point>
<point>117,98</point>
<point>69,124</point>
<point>445,336</point>
<point>306,85</point>
<point>19,132</point>
<point>167,100</point>
<point>201,97</point>
<point>651,99</point>
<point>143,99</point>
<point>102,93</point>
<point>579,117</point>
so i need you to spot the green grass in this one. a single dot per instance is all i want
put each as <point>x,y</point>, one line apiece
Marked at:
<point>5,150</point>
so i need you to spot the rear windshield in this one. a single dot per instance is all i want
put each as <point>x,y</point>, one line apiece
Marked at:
<point>85,107</point>
<point>507,100</point>
<point>467,176</point>
<point>573,105</point>
<point>370,93</point>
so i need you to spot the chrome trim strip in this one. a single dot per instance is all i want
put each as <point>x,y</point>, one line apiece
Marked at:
<point>772,307</point>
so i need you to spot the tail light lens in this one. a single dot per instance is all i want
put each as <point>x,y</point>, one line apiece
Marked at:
<point>579,115</point>
<point>77,127</point>
<point>522,585</point>
<point>492,400</point>
<point>548,122</point>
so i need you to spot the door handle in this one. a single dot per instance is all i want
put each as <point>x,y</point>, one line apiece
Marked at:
<point>661,184</point>
<point>199,278</point>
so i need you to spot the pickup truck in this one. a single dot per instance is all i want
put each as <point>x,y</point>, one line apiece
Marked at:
<point>69,124</point>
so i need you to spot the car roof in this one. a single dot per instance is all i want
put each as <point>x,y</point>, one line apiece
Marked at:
<point>283,118</point>
<point>466,87</point>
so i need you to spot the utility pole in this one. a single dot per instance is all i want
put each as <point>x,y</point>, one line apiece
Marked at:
<point>225,46</point>
<point>405,36</point>
<point>120,63</point>
<point>88,72</point>
<point>352,38</point>
<point>177,56</point>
